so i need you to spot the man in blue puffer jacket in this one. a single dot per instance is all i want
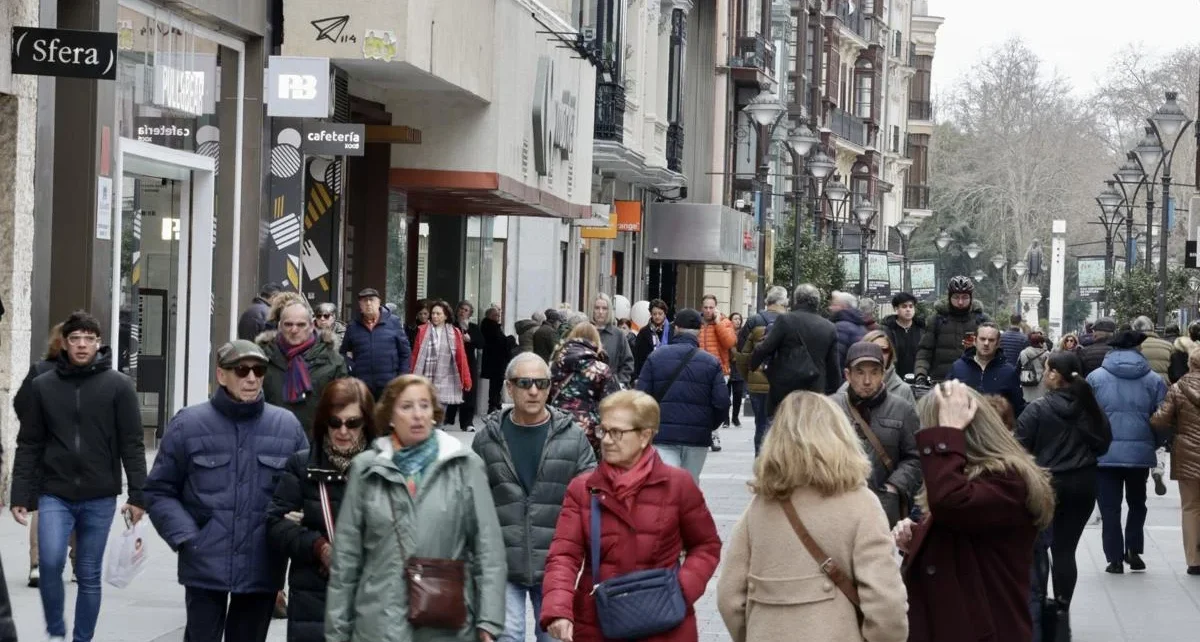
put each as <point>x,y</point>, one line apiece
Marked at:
<point>1129,392</point>
<point>694,404</point>
<point>208,494</point>
<point>375,345</point>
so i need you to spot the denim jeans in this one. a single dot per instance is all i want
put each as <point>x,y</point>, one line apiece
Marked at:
<point>91,520</point>
<point>689,458</point>
<point>762,423</point>
<point>514,613</point>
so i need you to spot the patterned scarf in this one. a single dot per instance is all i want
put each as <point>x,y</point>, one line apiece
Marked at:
<point>296,381</point>
<point>414,460</point>
<point>340,458</point>
<point>627,482</point>
<point>662,336</point>
<point>438,365</point>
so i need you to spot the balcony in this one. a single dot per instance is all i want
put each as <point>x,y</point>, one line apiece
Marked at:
<point>920,110</point>
<point>675,147</point>
<point>916,197</point>
<point>848,127</point>
<point>610,111</point>
<point>753,59</point>
<point>855,21</point>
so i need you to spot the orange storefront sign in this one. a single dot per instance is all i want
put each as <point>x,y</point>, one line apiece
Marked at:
<point>629,216</point>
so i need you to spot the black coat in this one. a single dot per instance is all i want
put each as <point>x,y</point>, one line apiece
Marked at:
<point>643,344</point>
<point>24,396</point>
<point>905,342</point>
<point>798,329</point>
<point>942,344</point>
<point>495,349</point>
<point>298,491</point>
<point>254,320</point>
<point>1060,435</point>
<point>1093,355</point>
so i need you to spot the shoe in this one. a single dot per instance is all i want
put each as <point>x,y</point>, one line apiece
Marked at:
<point>1160,488</point>
<point>34,577</point>
<point>280,612</point>
<point>716,443</point>
<point>1116,568</point>
<point>1193,570</point>
<point>74,579</point>
<point>737,423</point>
<point>56,638</point>
<point>1135,562</point>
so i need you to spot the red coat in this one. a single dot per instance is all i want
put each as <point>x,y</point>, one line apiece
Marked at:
<point>460,354</point>
<point>968,571</point>
<point>668,516</point>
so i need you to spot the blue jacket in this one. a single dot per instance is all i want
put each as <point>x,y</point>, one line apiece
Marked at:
<point>210,488</point>
<point>697,403</point>
<point>378,355</point>
<point>850,330</point>
<point>1012,342</point>
<point>1000,378</point>
<point>1129,392</point>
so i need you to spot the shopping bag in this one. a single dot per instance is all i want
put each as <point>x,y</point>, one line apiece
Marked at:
<point>127,555</point>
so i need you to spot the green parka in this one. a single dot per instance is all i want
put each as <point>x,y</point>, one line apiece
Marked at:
<point>452,517</point>
<point>324,365</point>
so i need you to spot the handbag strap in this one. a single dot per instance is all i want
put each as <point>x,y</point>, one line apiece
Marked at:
<point>396,525</point>
<point>326,510</point>
<point>828,566</point>
<point>659,393</point>
<point>595,541</point>
<point>871,437</point>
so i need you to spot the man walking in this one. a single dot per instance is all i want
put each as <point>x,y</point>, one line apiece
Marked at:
<point>1013,341</point>
<point>208,494</point>
<point>254,319</point>
<point>82,426</point>
<point>1092,355</point>
<point>690,388</point>
<point>984,368</point>
<point>375,347</point>
<point>532,452</point>
<point>801,349</point>
<point>945,338</point>
<point>751,335</point>
<point>905,331</point>
<point>545,338</point>
<point>843,311</point>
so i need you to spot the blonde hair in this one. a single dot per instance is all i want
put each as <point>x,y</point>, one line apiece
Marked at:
<point>890,356</point>
<point>392,392</point>
<point>644,408</point>
<point>285,300</point>
<point>1062,343</point>
<point>992,449</point>
<point>810,445</point>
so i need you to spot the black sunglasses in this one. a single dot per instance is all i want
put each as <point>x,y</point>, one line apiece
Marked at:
<point>353,423</point>
<point>525,383</point>
<point>324,315</point>
<point>243,371</point>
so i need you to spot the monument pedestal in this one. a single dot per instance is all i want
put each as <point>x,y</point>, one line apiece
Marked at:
<point>1030,297</point>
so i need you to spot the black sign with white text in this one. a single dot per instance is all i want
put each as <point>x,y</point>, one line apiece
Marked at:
<point>64,52</point>
<point>334,139</point>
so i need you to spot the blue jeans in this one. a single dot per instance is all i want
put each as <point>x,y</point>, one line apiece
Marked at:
<point>514,613</point>
<point>689,458</point>
<point>762,423</point>
<point>91,520</point>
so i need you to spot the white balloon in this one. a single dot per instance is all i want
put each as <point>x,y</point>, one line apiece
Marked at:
<point>620,307</point>
<point>640,313</point>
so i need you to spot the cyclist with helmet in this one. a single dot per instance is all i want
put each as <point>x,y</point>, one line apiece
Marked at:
<point>947,331</point>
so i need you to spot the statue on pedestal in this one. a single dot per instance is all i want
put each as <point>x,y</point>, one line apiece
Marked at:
<point>1033,259</point>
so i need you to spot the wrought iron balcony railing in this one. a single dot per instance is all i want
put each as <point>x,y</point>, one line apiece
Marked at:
<point>752,50</point>
<point>610,111</point>
<point>675,147</point>
<point>848,127</point>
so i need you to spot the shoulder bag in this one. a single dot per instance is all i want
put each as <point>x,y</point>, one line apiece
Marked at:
<point>661,392</point>
<point>436,587</point>
<point>635,605</point>
<point>888,464</point>
<point>827,564</point>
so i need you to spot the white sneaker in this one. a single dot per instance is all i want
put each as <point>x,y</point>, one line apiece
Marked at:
<point>56,638</point>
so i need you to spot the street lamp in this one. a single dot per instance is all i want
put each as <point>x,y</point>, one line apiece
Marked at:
<point>865,213</point>
<point>973,250</point>
<point>905,227</point>
<point>1111,217</point>
<point>801,140</point>
<point>999,261</point>
<point>1149,153</point>
<point>979,276</point>
<point>943,240</point>
<point>1129,175</point>
<point>838,196</point>
<point>1169,123</point>
<point>1020,269</point>
<point>764,110</point>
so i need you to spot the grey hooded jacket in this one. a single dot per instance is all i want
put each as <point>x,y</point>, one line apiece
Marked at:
<point>620,355</point>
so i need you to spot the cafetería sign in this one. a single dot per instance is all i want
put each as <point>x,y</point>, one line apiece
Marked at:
<point>64,52</point>
<point>334,139</point>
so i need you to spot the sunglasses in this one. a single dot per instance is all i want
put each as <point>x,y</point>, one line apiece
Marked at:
<point>243,371</point>
<point>353,423</point>
<point>525,383</point>
<point>324,315</point>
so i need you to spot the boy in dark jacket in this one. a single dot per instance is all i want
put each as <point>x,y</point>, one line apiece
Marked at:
<point>905,331</point>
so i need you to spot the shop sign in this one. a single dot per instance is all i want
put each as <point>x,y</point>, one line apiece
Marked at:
<point>179,90</point>
<point>64,52</point>
<point>554,118</point>
<point>298,87</point>
<point>334,139</point>
<point>629,216</point>
<point>175,133</point>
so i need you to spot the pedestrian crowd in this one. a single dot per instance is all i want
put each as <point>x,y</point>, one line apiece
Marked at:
<point>914,479</point>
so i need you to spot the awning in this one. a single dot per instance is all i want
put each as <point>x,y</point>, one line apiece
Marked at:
<point>433,191</point>
<point>701,233</point>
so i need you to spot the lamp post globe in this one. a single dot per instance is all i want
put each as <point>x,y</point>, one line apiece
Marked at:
<point>1169,120</point>
<point>999,261</point>
<point>802,140</point>
<point>906,227</point>
<point>973,250</point>
<point>1110,199</point>
<point>1020,268</point>
<point>765,108</point>
<point>1130,173</point>
<point>836,190</point>
<point>1149,151</point>
<point>943,240</point>
<point>864,212</point>
<point>821,166</point>
<point>979,276</point>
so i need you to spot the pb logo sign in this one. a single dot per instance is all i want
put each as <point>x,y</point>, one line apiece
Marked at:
<point>298,87</point>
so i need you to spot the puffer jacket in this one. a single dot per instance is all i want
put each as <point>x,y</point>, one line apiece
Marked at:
<point>324,365</point>
<point>210,487</point>
<point>895,423</point>
<point>894,385</point>
<point>527,520</point>
<point>525,329</point>
<point>999,378</point>
<point>905,342</point>
<point>718,339</point>
<point>377,355</point>
<point>1013,342</point>
<point>1058,432</point>
<point>1180,414</point>
<point>620,356</point>
<point>1093,355</point>
<point>579,380</point>
<point>850,330</point>
<point>452,517</point>
<point>1158,352</point>
<point>1129,392</point>
<point>1182,347</point>
<point>253,320</point>
<point>756,380</point>
<point>697,403</point>
<point>942,343</point>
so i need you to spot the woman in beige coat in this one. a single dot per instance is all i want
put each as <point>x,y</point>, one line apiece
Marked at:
<point>771,587</point>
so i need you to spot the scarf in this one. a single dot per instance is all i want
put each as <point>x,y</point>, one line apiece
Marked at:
<point>414,460</point>
<point>296,381</point>
<point>865,406</point>
<point>341,458</point>
<point>626,483</point>
<point>438,365</point>
<point>662,336</point>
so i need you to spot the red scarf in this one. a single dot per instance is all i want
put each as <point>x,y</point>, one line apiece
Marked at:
<point>626,482</point>
<point>297,383</point>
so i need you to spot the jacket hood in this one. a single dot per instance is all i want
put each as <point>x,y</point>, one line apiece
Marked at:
<point>893,322</point>
<point>1064,404</point>
<point>849,314</point>
<point>525,324</point>
<point>1126,364</point>
<point>1189,385</point>
<point>448,448</point>
<point>578,354</point>
<point>1184,345</point>
<point>943,308</point>
<point>102,362</point>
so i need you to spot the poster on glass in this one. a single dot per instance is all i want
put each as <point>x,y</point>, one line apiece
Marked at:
<point>879,285</point>
<point>923,280</point>
<point>851,269</point>
<point>1091,277</point>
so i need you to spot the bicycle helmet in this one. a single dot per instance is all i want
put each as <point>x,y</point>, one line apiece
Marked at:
<point>961,285</point>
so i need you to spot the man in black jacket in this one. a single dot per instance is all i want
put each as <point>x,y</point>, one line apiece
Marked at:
<point>1092,355</point>
<point>83,425</point>
<point>803,329</point>
<point>905,330</point>
<point>254,319</point>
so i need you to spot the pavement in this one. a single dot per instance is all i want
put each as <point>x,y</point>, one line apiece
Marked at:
<point>1162,604</point>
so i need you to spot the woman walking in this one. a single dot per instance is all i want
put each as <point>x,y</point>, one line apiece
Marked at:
<point>440,355</point>
<point>302,360</point>
<point>1031,364</point>
<point>419,554</point>
<point>580,380</point>
<point>811,478</point>
<point>1180,414</point>
<point>737,383</point>
<point>300,521</point>
<point>1069,342</point>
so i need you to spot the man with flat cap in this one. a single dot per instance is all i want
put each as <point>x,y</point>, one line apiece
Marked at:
<point>375,345</point>
<point>208,493</point>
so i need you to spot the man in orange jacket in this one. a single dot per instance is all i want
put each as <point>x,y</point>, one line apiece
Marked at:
<point>718,338</point>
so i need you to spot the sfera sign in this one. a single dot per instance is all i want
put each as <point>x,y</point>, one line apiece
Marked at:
<point>334,139</point>
<point>64,52</point>
<point>554,118</point>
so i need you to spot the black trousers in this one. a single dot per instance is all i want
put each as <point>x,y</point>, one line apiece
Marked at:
<point>495,390</point>
<point>238,617</point>
<point>737,390</point>
<point>1075,497</point>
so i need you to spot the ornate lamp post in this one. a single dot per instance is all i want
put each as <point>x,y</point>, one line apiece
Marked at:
<point>905,227</point>
<point>865,213</point>
<point>1111,218</point>
<point>1169,123</point>
<point>764,111</point>
<point>942,241</point>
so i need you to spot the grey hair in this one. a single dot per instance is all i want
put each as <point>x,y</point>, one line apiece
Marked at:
<point>1143,324</point>
<point>326,308</point>
<point>844,298</point>
<point>806,294</point>
<point>575,318</point>
<point>688,331</point>
<point>538,316</point>
<point>525,357</point>
<point>866,306</point>
<point>468,304</point>
<point>777,295</point>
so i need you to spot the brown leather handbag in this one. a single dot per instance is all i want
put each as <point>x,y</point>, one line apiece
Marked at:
<point>436,587</point>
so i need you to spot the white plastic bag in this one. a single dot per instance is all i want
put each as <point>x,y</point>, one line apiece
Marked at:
<point>127,555</point>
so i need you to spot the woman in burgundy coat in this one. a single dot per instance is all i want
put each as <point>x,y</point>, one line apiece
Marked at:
<point>649,513</point>
<point>968,562</point>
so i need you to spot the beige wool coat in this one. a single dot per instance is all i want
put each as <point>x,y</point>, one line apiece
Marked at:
<point>771,588</point>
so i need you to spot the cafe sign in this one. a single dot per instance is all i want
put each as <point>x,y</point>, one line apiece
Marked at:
<point>64,53</point>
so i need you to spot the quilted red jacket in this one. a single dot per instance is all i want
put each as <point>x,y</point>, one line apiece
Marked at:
<point>669,515</point>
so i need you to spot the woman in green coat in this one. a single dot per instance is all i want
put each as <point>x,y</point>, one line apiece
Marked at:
<point>302,360</point>
<point>424,488</point>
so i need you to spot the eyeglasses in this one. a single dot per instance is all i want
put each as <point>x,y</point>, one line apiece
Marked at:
<point>82,339</point>
<point>525,383</point>
<point>353,423</point>
<point>324,315</point>
<point>617,435</point>
<point>243,371</point>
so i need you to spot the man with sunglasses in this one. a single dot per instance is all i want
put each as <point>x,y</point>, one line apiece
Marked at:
<point>208,495</point>
<point>81,427</point>
<point>532,452</point>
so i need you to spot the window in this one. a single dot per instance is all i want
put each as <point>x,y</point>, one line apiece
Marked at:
<point>610,38</point>
<point>864,88</point>
<point>675,70</point>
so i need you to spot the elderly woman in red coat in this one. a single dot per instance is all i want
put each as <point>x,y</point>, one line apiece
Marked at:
<point>650,513</point>
<point>968,562</point>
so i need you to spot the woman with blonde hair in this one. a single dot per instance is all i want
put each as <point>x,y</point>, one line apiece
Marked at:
<point>969,560</point>
<point>1069,343</point>
<point>580,378</point>
<point>810,485</point>
<point>892,382</point>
